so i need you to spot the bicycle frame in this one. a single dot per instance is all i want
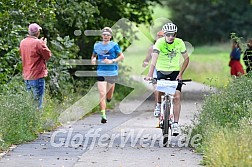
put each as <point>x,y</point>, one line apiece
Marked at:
<point>169,88</point>
<point>166,117</point>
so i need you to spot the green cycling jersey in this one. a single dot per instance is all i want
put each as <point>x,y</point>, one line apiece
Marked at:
<point>169,54</point>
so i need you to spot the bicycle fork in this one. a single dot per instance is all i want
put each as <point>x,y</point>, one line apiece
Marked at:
<point>162,107</point>
<point>171,110</point>
<point>163,99</point>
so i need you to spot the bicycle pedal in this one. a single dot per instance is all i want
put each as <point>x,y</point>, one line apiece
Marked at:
<point>175,134</point>
<point>161,125</point>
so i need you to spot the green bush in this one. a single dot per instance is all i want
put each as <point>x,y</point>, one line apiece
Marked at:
<point>230,105</point>
<point>225,124</point>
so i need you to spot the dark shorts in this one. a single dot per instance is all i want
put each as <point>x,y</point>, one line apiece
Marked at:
<point>169,75</point>
<point>109,79</point>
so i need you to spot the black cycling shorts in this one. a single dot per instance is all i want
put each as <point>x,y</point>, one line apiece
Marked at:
<point>109,79</point>
<point>171,76</point>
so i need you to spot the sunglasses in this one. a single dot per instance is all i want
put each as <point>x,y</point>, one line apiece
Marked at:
<point>106,34</point>
<point>172,34</point>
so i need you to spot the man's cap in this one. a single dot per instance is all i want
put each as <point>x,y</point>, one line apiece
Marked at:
<point>107,29</point>
<point>34,27</point>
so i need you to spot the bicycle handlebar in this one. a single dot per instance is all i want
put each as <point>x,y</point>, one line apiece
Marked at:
<point>154,81</point>
<point>184,80</point>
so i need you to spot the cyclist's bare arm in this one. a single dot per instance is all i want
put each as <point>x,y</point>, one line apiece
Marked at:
<point>148,57</point>
<point>184,65</point>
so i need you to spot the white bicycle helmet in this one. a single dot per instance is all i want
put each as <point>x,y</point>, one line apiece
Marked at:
<point>169,28</point>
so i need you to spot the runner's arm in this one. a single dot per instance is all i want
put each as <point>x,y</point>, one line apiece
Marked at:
<point>155,54</point>
<point>93,59</point>
<point>148,57</point>
<point>120,57</point>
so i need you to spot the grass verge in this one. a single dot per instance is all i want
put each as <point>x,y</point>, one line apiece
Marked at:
<point>225,124</point>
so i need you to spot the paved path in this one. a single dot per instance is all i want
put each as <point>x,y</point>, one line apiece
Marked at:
<point>126,140</point>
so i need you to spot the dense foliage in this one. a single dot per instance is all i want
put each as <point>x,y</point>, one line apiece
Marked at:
<point>225,124</point>
<point>211,20</point>
<point>59,20</point>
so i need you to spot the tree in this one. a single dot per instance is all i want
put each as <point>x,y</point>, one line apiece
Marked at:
<point>94,15</point>
<point>59,20</point>
<point>207,21</point>
<point>15,17</point>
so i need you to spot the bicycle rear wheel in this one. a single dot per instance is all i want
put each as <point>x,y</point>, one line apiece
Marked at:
<point>166,123</point>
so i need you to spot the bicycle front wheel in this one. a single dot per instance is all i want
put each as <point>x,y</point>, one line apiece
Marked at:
<point>166,123</point>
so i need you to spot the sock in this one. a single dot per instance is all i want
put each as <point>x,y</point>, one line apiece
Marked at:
<point>158,105</point>
<point>103,114</point>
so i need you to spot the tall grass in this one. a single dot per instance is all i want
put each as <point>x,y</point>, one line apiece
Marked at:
<point>230,146</point>
<point>209,65</point>
<point>225,124</point>
<point>19,118</point>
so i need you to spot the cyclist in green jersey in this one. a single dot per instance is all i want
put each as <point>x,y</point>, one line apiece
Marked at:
<point>166,58</point>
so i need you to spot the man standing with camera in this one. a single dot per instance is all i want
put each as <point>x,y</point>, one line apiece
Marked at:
<point>34,53</point>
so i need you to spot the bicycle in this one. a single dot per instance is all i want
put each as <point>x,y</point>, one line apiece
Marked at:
<point>166,116</point>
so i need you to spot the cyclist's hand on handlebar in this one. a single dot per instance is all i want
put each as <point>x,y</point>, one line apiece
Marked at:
<point>148,78</point>
<point>179,77</point>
